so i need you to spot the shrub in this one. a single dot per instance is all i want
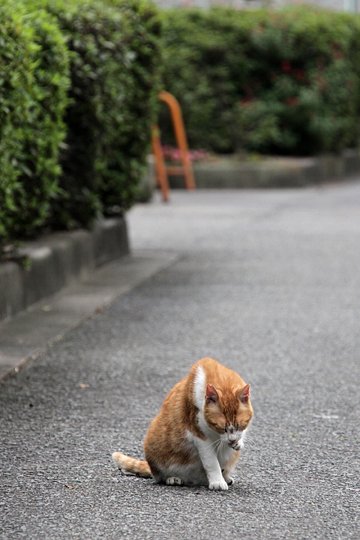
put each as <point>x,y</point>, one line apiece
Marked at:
<point>15,81</point>
<point>34,82</point>
<point>109,51</point>
<point>114,74</point>
<point>281,82</point>
<point>129,142</point>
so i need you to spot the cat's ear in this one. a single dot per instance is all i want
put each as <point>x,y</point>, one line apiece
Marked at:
<point>211,394</point>
<point>244,394</point>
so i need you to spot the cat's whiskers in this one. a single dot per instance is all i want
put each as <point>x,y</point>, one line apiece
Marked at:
<point>218,446</point>
<point>215,444</point>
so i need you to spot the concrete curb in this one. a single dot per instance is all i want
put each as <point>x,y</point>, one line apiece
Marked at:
<point>57,260</point>
<point>233,172</point>
<point>26,336</point>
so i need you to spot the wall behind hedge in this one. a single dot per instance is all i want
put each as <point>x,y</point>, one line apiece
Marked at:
<point>275,82</point>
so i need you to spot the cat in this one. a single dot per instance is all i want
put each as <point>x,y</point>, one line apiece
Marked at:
<point>197,435</point>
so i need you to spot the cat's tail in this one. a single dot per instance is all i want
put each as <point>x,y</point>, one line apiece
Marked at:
<point>130,465</point>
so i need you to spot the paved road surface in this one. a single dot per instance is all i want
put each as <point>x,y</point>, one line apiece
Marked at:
<point>266,281</point>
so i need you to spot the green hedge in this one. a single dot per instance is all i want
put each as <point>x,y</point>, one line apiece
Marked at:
<point>33,97</point>
<point>114,82</point>
<point>78,94</point>
<point>16,65</point>
<point>277,82</point>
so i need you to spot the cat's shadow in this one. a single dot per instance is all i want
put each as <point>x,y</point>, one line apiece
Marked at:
<point>239,489</point>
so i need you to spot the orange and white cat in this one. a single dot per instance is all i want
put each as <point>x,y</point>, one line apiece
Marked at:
<point>197,435</point>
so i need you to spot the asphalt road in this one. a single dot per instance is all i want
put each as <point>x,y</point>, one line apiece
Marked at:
<point>266,281</point>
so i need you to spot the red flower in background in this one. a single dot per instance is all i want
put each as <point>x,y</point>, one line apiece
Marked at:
<point>300,74</point>
<point>246,101</point>
<point>292,101</point>
<point>174,154</point>
<point>286,66</point>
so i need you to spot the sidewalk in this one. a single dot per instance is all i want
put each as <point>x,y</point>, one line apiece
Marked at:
<point>268,282</point>
<point>28,334</point>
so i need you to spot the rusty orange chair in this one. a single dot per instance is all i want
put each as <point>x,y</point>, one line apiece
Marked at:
<point>162,171</point>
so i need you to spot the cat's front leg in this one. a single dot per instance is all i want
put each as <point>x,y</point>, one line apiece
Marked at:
<point>211,465</point>
<point>229,467</point>
<point>228,478</point>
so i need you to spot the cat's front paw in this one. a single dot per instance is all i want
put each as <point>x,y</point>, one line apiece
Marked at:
<point>229,480</point>
<point>218,485</point>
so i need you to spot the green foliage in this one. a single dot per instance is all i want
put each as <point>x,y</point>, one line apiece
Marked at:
<point>15,81</point>
<point>34,82</point>
<point>114,81</point>
<point>78,94</point>
<point>281,82</point>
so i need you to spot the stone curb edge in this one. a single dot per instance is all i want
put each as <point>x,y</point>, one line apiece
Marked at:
<point>230,172</point>
<point>57,260</point>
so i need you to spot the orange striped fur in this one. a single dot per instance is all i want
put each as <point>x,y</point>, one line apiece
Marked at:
<point>196,437</point>
<point>131,465</point>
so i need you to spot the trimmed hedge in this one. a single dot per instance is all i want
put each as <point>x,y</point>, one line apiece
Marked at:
<point>78,94</point>
<point>33,97</point>
<point>16,64</point>
<point>283,82</point>
<point>114,83</point>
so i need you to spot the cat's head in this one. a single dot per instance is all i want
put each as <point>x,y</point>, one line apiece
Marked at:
<point>228,412</point>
